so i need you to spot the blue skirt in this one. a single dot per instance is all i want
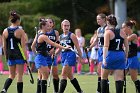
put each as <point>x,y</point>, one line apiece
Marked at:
<point>68,58</point>
<point>115,60</point>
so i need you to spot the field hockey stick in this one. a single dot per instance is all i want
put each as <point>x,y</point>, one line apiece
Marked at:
<point>72,49</point>
<point>87,56</point>
<point>50,76</point>
<point>23,55</point>
<point>36,29</point>
<point>125,78</point>
<point>124,81</point>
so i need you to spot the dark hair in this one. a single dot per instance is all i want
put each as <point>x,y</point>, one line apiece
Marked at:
<point>130,23</point>
<point>112,20</point>
<point>52,20</point>
<point>42,22</point>
<point>103,16</point>
<point>14,16</point>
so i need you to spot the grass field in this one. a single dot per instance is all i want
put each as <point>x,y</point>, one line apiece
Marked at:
<point>88,84</point>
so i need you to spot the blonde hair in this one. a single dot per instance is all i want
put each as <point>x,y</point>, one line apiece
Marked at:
<point>65,20</point>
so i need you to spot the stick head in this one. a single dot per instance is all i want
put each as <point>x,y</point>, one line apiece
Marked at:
<point>32,81</point>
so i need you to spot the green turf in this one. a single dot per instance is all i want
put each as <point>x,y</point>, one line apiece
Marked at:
<point>88,84</point>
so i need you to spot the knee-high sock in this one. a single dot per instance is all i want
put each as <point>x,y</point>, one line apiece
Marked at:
<point>1,66</point>
<point>56,84</point>
<point>7,84</point>
<point>79,67</point>
<point>91,68</point>
<point>103,86</point>
<point>119,86</point>
<point>76,85</point>
<point>38,86</point>
<point>99,84</point>
<point>107,86</point>
<point>63,84</point>
<point>44,86</point>
<point>19,87</point>
<point>137,84</point>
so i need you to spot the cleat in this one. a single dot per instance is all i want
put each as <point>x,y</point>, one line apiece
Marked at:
<point>3,91</point>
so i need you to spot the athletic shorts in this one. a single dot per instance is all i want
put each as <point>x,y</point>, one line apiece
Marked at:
<point>68,58</point>
<point>31,56</point>
<point>49,61</point>
<point>115,60</point>
<point>40,60</point>
<point>132,63</point>
<point>15,62</point>
<point>100,54</point>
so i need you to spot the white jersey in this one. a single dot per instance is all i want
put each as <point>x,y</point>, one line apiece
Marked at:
<point>80,41</point>
<point>94,52</point>
<point>0,50</point>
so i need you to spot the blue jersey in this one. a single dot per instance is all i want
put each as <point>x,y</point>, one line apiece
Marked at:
<point>68,57</point>
<point>132,62</point>
<point>116,44</point>
<point>101,31</point>
<point>41,47</point>
<point>13,51</point>
<point>115,51</point>
<point>66,40</point>
<point>52,36</point>
<point>132,49</point>
<point>100,36</point>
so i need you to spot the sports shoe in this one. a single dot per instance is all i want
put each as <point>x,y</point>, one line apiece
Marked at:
<point>80,92</point>
<point>98,92</point>
<point>3,91</point>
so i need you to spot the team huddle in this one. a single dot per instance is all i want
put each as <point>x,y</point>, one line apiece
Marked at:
<point>117,54</point>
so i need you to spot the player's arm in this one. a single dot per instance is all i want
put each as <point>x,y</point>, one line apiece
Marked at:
<point>126,45</point>
<point>23,43</point>
<point>76,44</point>
<point>106,45</point>
<point>4,36</point>
<point>33,44</point>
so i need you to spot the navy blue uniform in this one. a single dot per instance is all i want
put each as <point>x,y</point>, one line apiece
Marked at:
<point>100,36</point>
<point>41,57</point>
<point>133,62</point>
<point>116,57</point>
<point>13,52</point>
<point>52,36</point>
<point>68,57</point>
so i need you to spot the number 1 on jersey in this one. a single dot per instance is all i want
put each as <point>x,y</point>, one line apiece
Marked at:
<point>11,42</point>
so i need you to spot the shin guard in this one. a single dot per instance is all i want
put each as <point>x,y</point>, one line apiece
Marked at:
<point>76,85</point>
<point>137,84</point>
<point>44,86</point>
<point>38,86</point>
<point>119,86</point>
<point>103,86</point>
<point>19,87</point>
<point>63,84</point>
<point>56,85</point>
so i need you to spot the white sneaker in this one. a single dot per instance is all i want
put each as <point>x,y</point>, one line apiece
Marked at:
<point>3,91</point>
<point>98,92</point>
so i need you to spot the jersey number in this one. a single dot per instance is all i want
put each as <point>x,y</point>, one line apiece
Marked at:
<point>11,42</point>
<point>118,41</point>
<point>99,42</point>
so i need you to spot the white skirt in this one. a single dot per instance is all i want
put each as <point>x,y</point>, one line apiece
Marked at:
<point>94,53</point>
